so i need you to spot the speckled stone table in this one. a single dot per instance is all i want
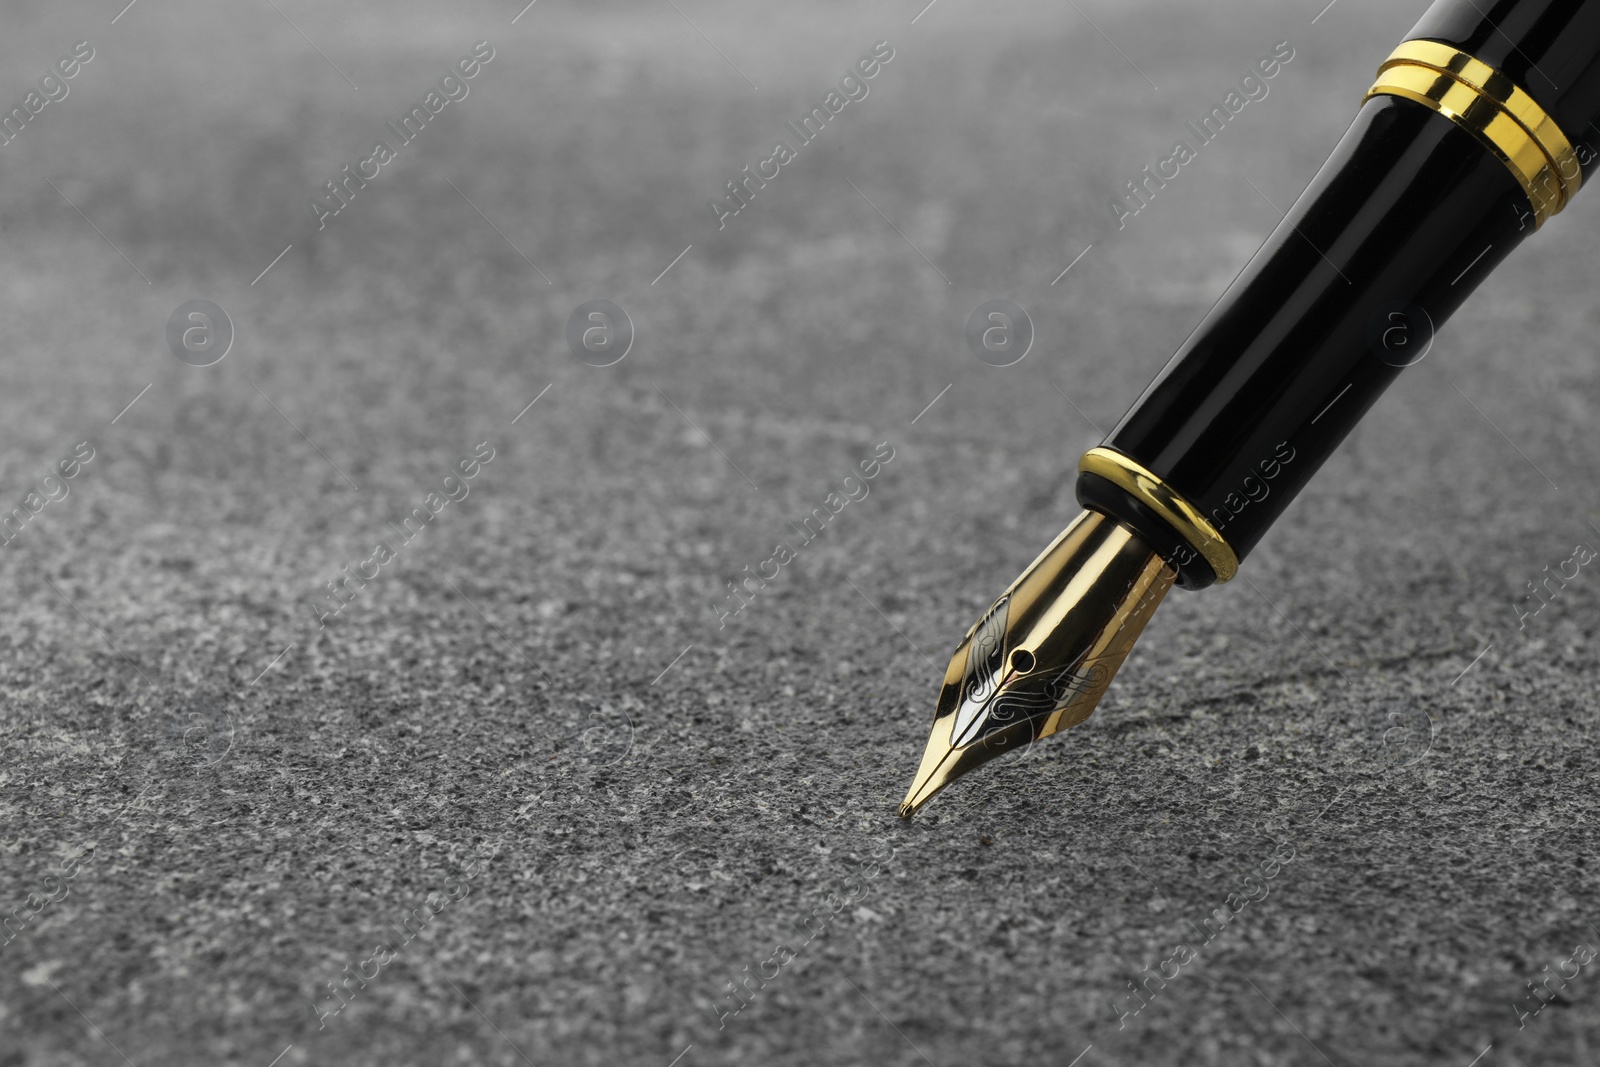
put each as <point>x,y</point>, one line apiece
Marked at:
<point>533,793</point>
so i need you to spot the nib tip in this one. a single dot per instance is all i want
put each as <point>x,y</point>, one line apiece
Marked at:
<point>1040,658</point>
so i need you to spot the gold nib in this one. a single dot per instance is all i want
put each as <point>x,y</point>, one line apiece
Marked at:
<point>1040,659</point>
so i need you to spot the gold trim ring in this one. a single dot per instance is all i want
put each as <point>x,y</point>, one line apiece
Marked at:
<point>1492,108</point>
<point>1149,489</point>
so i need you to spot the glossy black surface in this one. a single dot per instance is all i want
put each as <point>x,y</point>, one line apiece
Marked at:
<point>1406,218</point>
<point>1403,221</point>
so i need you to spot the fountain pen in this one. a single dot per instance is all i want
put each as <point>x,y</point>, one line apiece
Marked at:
<point>1469,140</point>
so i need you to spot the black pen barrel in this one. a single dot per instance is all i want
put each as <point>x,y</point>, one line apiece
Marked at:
<point>1476,132</point>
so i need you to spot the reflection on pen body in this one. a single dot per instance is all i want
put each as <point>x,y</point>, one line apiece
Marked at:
<point>1462,147</point>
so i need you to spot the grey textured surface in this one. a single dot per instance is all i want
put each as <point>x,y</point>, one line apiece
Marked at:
<point>539,681</point>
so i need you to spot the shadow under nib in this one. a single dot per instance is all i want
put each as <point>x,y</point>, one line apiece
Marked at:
<point>1040,659</point>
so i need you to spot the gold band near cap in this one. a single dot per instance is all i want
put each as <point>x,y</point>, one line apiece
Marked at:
<point>1495,110</point>
<point>1147,486</point>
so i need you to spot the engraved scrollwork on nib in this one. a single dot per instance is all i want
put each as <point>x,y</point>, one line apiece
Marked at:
<point>985,659</point>
<point>1040,658</point>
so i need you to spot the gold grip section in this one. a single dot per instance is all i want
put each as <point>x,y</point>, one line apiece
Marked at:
<point>1495,110</point>
<point>1190,522</point>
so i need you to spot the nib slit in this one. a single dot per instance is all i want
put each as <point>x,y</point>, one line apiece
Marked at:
<point>1041,657</point>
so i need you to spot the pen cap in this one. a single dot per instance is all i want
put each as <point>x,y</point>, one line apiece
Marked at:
<point>1475,133</point>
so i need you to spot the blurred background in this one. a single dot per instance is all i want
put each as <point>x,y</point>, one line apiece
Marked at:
<point>238,797</point>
